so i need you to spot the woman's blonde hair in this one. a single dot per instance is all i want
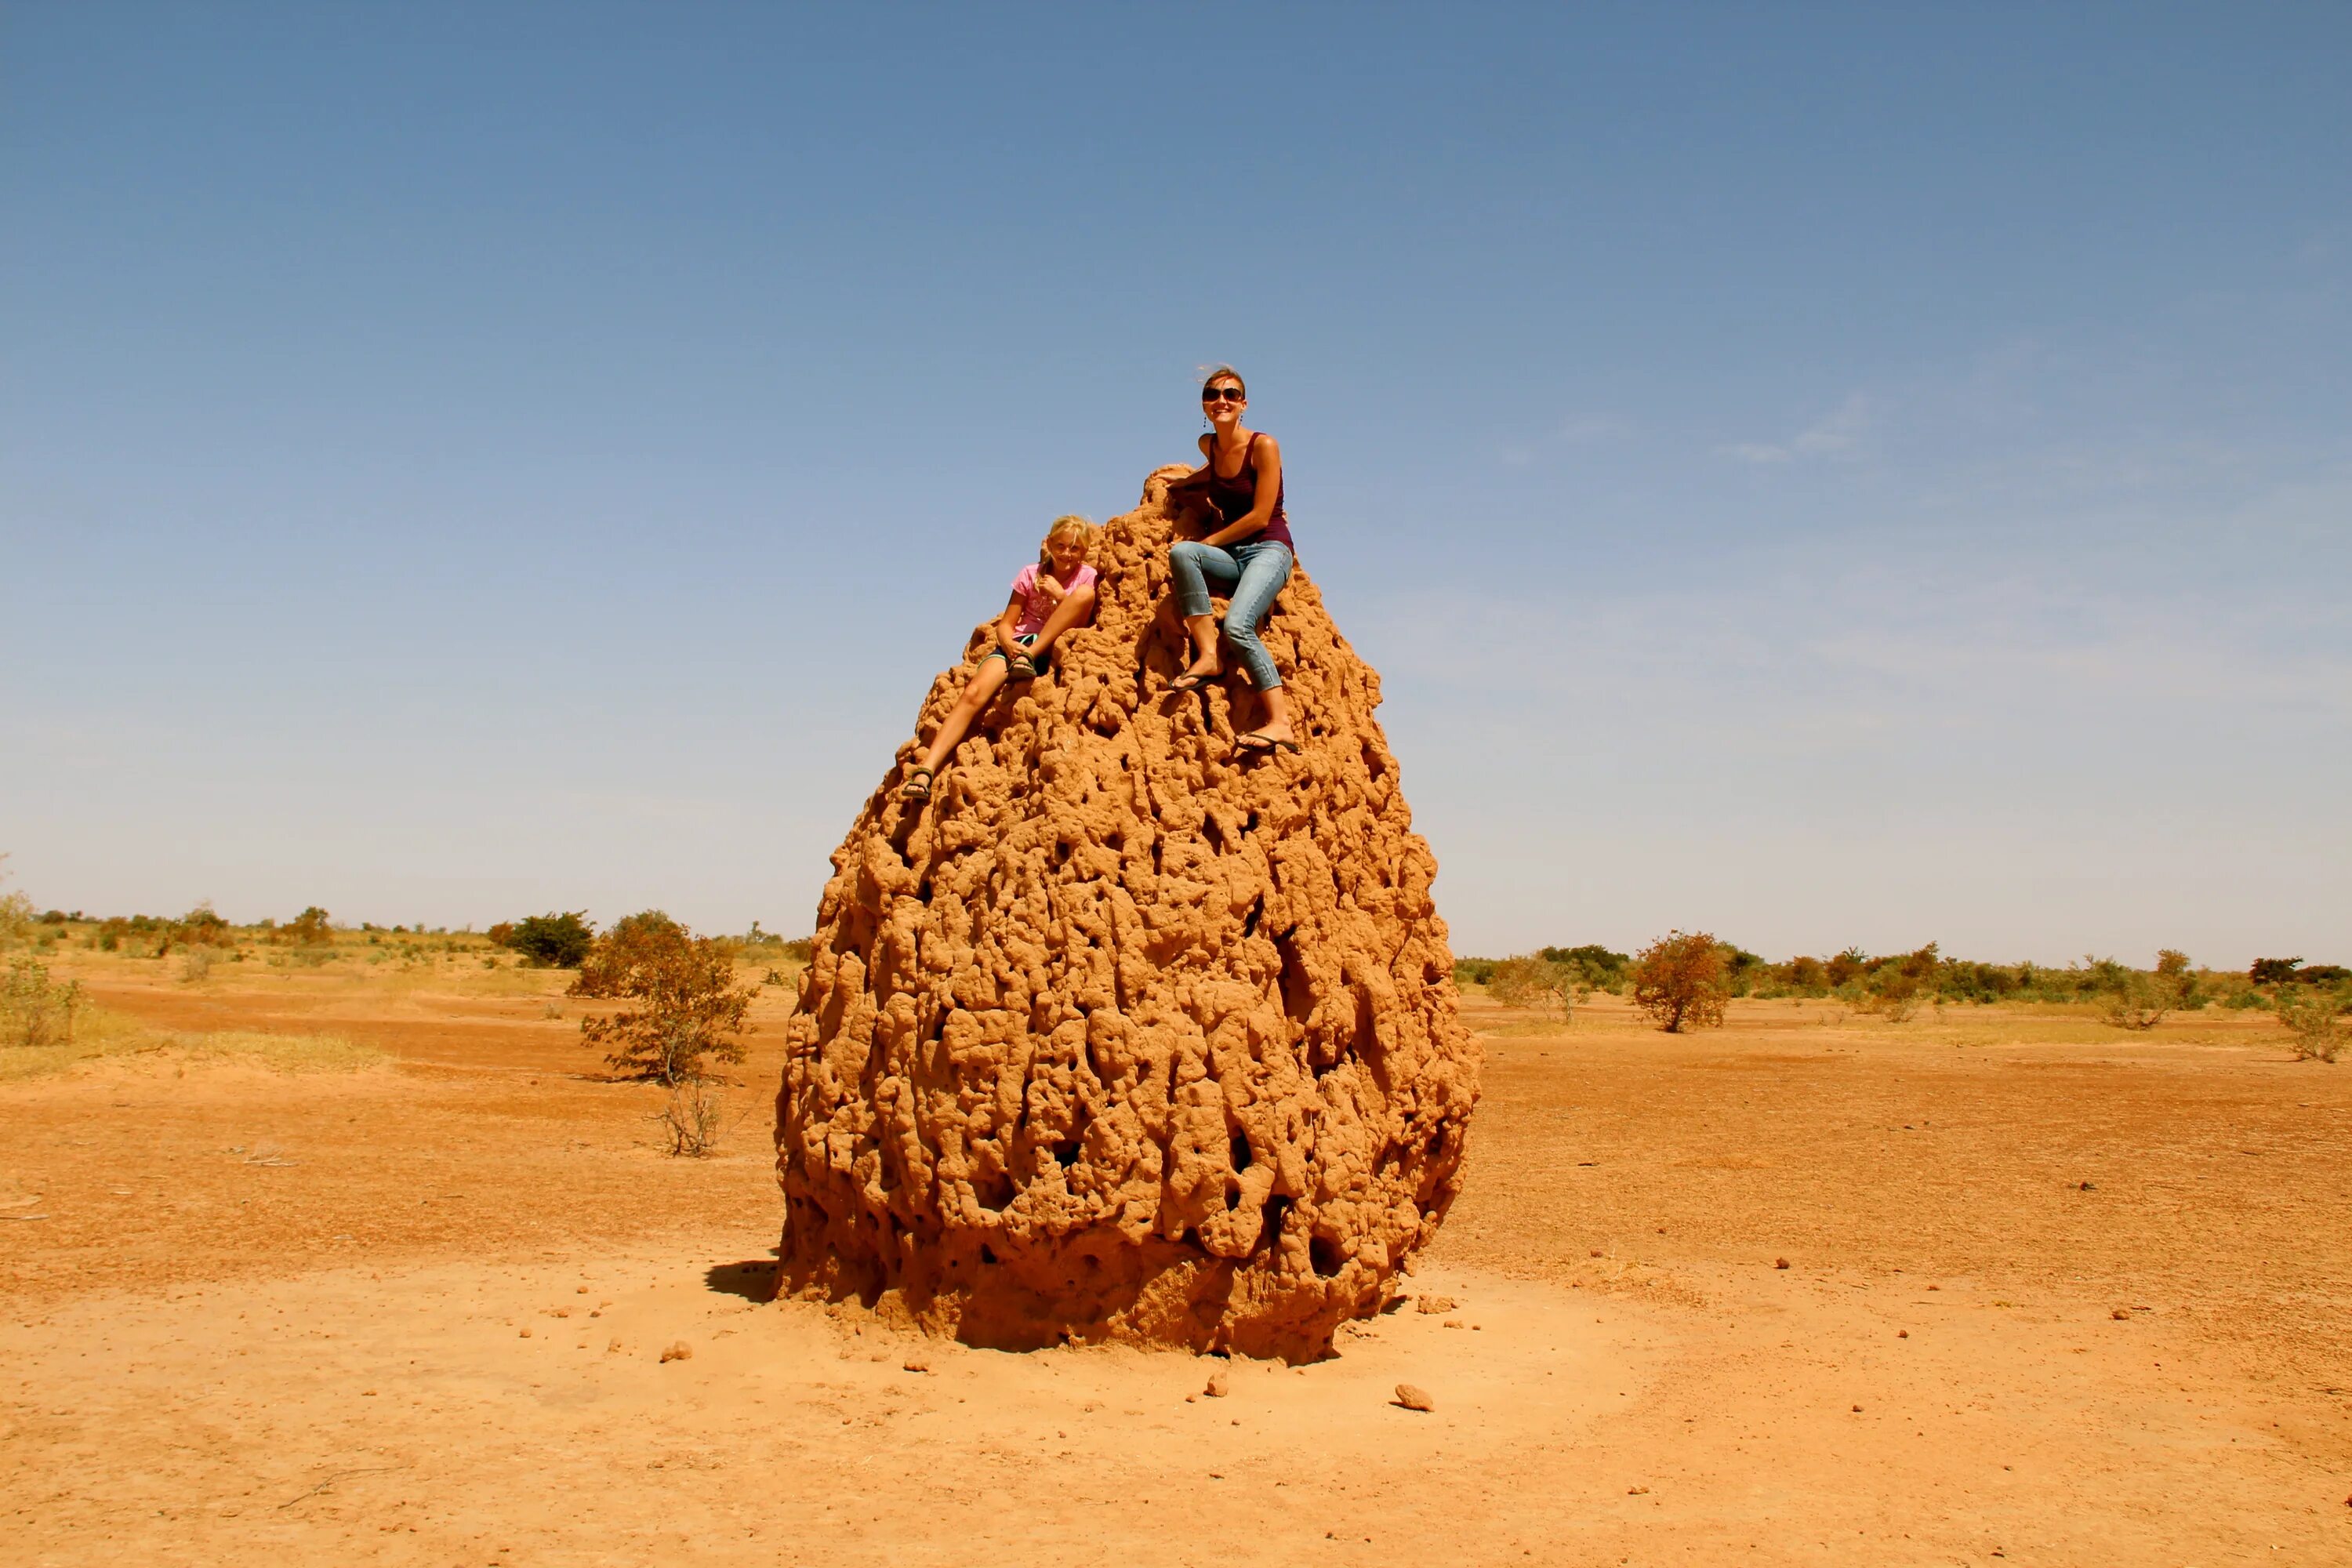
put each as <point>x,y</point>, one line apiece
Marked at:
<point>1069,525</point>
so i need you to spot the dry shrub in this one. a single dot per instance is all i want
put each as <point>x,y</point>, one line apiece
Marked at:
<point>35,1011</point>
<point>2317,1021</point>
<point>689,1006</point>
<point>1531,980</point>
<point>1679,981</point>
<point>196,966</point>
<point>312,927</point>
<point>689,1117</point>
<point>2141,1001</point>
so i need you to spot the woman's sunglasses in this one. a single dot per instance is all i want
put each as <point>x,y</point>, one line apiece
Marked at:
<point>1224,395</point>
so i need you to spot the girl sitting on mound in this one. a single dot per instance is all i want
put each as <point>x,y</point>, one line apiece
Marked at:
<point>1050,595</point>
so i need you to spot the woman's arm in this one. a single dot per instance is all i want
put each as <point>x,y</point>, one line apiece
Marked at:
<point>1268,458</point>
<point>1076,606</point>
<point>1190,507</point>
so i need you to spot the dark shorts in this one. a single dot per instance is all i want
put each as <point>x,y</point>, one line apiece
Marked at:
<point>1027,641</point>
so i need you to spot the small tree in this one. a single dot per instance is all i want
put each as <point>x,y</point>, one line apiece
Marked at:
<point>1531,980</point>
<point>1679,981</point>
<point>690,1007</point>
<point>2141,1001</point>
<point>309,929</point>
<point>2272,971</point>
<point>549,941</point>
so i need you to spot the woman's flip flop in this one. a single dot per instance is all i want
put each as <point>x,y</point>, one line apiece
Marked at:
<point>1259,743</point>
<point>918,786</point>
<point>1188,681</point>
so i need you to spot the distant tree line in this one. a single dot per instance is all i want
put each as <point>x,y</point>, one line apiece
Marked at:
<point>1682,979</point>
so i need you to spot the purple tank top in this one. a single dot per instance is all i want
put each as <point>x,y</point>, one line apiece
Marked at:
<point>1234,497</point>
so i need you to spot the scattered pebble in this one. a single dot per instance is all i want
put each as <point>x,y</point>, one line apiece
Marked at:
<point>1637,1491</point>
<point>918,1364</point>
<point>1783,1263</point>
<point>580,1289</point>
<point>611,1345</point>
<point>680,1351</point>
<point>1414,1398</point>
<point>1432,1306</point>
<point>1902,1333</point>
<point>1857,1410</point>
<point>2086,1187</point>
<point>1217,1384</point>
<point>2119,1314</point>
<point>525,1335</point>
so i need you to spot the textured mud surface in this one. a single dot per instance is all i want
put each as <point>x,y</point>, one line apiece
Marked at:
<point>1124,1034</point>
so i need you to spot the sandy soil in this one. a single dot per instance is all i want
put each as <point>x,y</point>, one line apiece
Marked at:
<point>414,1314</point>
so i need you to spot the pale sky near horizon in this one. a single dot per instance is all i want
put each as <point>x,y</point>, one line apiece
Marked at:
<point>1825,474</point>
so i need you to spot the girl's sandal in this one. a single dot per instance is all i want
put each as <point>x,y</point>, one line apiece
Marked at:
<point>1021,666</point>
<point>918,785</point>
<point>1257,743</point>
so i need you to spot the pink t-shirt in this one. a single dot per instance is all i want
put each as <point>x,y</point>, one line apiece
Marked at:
<point>1035,604</point>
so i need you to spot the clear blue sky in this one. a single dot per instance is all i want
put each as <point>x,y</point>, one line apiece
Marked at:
<point>1825,474</point>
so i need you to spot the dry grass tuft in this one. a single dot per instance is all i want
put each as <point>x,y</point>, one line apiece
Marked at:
<point>102,1036</point>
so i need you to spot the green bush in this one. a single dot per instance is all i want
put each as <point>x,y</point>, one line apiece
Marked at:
<point>559,940</point>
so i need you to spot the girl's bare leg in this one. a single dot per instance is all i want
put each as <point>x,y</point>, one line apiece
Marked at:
<point>958,723</point>
<point>1067,614</point>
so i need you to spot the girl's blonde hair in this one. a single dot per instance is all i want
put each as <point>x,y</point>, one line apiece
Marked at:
<point>1069,525</point>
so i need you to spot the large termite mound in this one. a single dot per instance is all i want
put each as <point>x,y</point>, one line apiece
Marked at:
<point>1124,1034</point>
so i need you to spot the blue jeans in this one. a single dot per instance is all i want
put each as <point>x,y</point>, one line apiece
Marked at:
<point>1255,570</point>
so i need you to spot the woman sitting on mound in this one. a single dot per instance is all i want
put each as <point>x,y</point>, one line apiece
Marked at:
<point>1050,595</point>
<point>1247,553</point>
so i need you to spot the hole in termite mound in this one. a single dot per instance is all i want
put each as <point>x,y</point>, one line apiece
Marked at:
<point>1067,1155</point>
<point>1270,1234</point>
<point>1239,1151</point>
<point>1324,1255</point>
